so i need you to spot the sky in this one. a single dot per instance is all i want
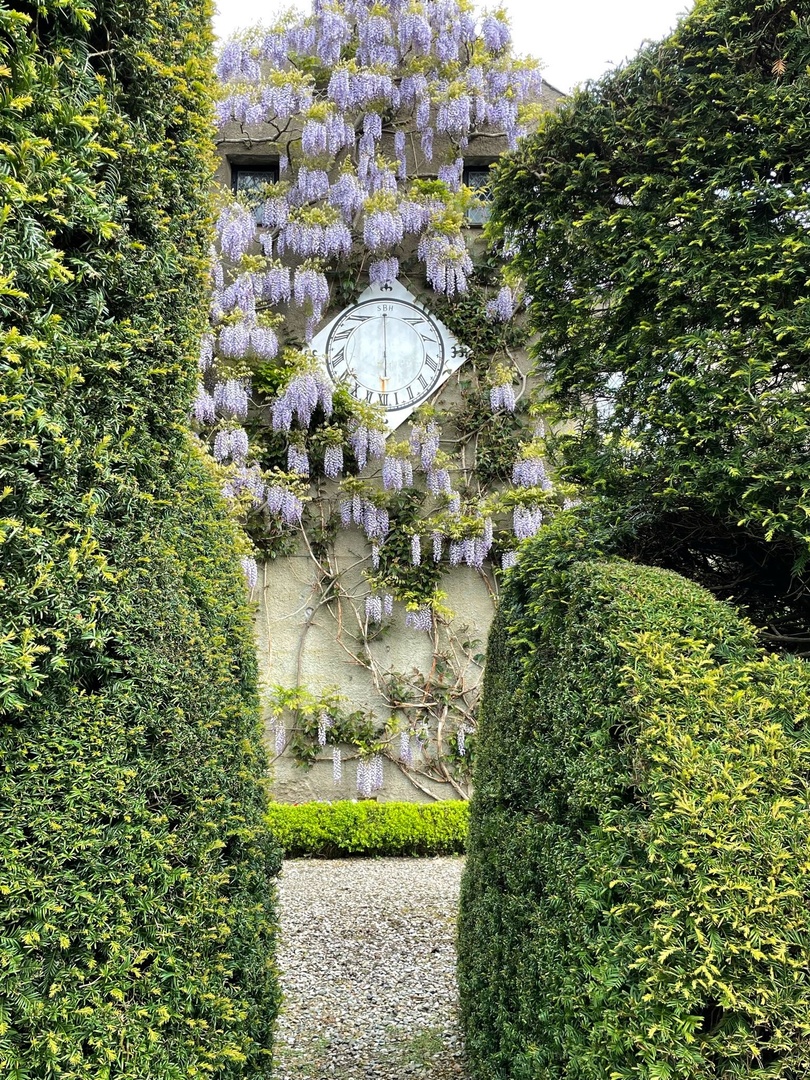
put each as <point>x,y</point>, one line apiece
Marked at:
<point>574,39</point>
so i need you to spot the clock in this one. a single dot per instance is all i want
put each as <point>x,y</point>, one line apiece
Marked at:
<point>390,349</point>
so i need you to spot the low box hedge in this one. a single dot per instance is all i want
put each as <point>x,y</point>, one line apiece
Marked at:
<point>342,829</point>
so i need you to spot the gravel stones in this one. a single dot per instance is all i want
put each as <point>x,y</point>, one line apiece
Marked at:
<point>367,964</point>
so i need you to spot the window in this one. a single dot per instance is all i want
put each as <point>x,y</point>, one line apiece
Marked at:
<point>477,177</point>
<point>250,181</point>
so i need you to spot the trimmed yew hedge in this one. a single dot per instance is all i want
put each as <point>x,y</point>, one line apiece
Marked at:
<point>343,829</point>
<point>636,898</point>
<point>136,902</point>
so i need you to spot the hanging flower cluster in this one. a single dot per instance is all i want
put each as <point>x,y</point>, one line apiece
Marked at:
<point>360,95</point>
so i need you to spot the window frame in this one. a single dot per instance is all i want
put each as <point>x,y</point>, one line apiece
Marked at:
<point>484,212</point>
<point>270,166</point>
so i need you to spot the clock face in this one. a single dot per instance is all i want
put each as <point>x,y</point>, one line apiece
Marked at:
<point>390,350</point>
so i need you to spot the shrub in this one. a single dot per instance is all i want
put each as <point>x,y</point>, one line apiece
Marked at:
<point>341,829</point>
<point>137,912</point>
<point>635,899</point>
<point>659,218</point>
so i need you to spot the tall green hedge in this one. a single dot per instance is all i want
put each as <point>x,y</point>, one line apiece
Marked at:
<point>659,218</point>
<point>136,901</point>
<point>636,900</point>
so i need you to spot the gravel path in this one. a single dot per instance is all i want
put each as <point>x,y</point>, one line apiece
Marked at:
<point>367,970</point>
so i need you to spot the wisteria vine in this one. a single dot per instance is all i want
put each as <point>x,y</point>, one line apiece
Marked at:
<point>369,110</point>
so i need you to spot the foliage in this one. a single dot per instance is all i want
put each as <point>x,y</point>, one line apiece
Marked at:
<point>660,221</point>
<point>137,925</point>
<point>344,829</point>
<point>635,898</point>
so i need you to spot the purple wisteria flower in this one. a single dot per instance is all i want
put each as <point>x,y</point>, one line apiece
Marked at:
<point>415,33</point>
<point>526,521</point>
<point>451,174</point>
<point>447,44</point>
<point>424,441</point>
<point>231,398</point>
<point>420,618</point>
<point>415,216</point>
<point>241,294</point>
<point>314,138</point>
<point>297,460</point>
<point>237,64</point>
<point>310,286</point>
<point>231,443</point>
<point>337,765</point>
<point>206,352</point>
<point>502,396</point>
<point>284,503</point>
<point>250,570</point>
<point>302,396</point>
<point>369,775</point>
<point>374,610</point>
<point>276,212</point>
<point>447,262</point>
<point>509,559</point>
<point>381,271</point>
<point>438,481</point>
<point>399,151</point>
<point>503,306</point>
<point>405,748</point>
<point>203,409</point>
<point>347,195</point>
<point>276,285</point>
<point>495,33</point>
<point>437,540</point>
<point>366,442</point>
<point>413,88</point>
<point>312,183</point>
<point>246,480</point>
<point>325,722</point>
<point>396,474</point>
<point>416,550</point>
<point>236,229</point>
<point>375,521</point>
<point>531,472</point>
<point>234,340</point>
<point>382,229</point>
<point>454,115</point>
<point>263,342</point>
<point>333,461</point>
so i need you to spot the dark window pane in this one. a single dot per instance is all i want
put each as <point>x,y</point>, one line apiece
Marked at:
<point>250,184</point>
<point>478,179</point>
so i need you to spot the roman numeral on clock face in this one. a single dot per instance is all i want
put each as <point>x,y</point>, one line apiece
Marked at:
<point>346,328</point>
<point>338,360</point>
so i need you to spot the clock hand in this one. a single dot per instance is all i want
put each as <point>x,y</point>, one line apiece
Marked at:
<point>385,347</point>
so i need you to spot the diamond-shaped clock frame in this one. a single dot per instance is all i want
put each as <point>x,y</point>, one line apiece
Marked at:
<point>364,324</point>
